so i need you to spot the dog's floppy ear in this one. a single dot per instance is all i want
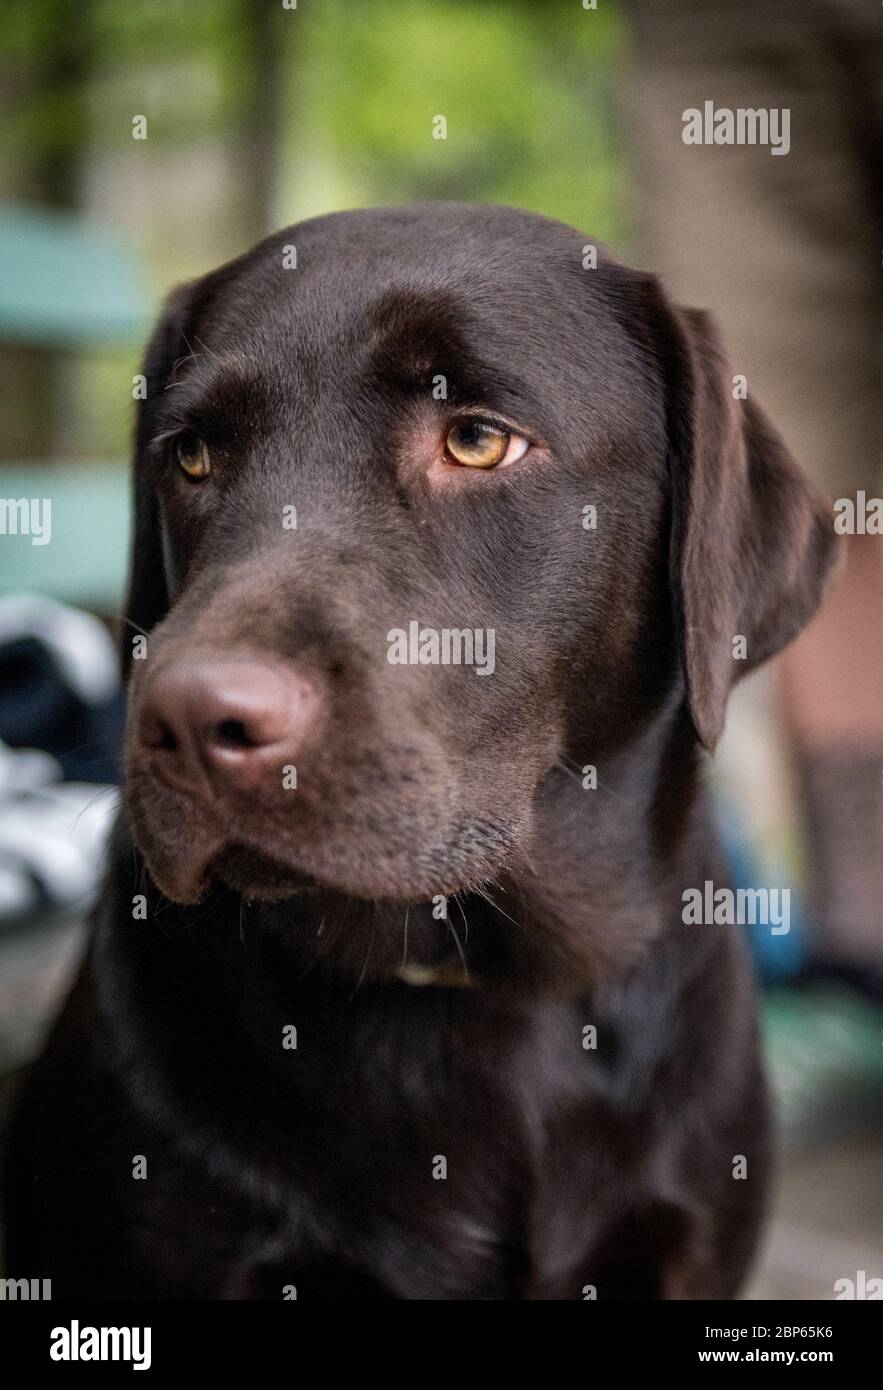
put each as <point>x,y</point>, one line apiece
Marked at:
<point>148,597</point>
<point>752,539</point>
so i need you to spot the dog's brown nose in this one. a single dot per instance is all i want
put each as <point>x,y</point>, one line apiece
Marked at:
<point>231,722</point>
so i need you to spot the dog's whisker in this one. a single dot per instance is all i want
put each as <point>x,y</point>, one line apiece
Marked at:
<point>367,959</point>
<point>463,915</point>
<point>192,921</point>
<point>626,800</point>
<point>103,791</point>
<point>127,622</point>
<point>206,349</point>
<point>496,906</point>
<point>242,922</point>
<point>569,771</point>
<point>308,967</point>
<point>576,772</point>
<point>453,931</point>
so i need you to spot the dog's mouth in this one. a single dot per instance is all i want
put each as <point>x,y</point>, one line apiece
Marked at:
<point>191,851</point>
<point>187,870</point>
<point>257,875</point>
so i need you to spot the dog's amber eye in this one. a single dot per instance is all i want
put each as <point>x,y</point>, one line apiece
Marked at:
<point>193,456</point>
<point>478,444</point>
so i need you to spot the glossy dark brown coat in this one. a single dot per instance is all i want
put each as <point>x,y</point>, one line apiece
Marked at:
<point>461,1137</point>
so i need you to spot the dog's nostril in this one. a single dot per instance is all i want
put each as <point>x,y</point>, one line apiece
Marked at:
<point>223,720</point>
<point>161,737</point>
<point>232,733</point>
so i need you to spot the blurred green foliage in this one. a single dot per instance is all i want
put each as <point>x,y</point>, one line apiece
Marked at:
<point>331,104</point>
<point>528,91</point>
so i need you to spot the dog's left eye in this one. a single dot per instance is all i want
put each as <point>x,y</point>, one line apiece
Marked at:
<point>480,444</point>
<point>193,456</point>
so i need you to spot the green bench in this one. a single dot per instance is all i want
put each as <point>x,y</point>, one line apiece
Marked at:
<point>66,284</point>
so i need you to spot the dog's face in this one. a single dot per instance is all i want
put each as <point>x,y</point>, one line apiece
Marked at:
<point>430,511</point>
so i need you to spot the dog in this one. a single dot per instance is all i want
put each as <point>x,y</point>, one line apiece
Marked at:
<point>390,993</point>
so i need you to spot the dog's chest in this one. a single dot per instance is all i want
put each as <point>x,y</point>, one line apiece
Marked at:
<point>478,1160</point>
<point>432,1142</point>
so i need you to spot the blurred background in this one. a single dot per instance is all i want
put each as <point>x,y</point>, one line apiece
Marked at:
<point>147,141</point>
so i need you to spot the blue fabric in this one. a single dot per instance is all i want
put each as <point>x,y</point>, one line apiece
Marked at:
<point>777,958</point>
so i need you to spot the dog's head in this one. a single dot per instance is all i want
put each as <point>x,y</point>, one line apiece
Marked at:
<point>431,509</point>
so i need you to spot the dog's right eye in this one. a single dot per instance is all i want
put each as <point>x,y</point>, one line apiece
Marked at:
<point>475,443</point>
<point>193,456</point>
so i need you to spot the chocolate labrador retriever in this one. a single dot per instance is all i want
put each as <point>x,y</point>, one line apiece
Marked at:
<point>449,544</point>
